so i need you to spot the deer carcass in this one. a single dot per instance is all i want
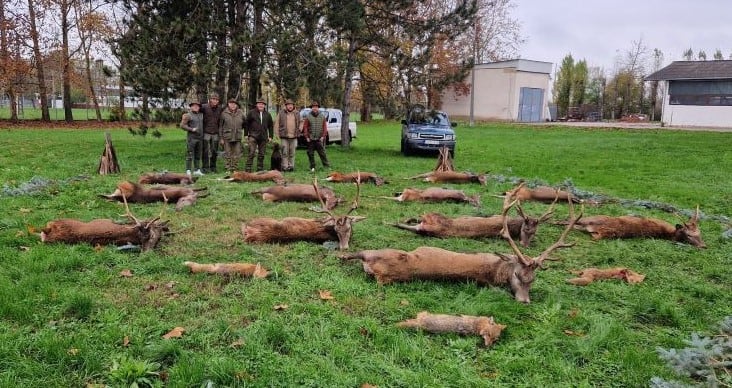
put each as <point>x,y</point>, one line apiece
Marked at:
<point>166,178</point>
<point>544,194</point>
<point>452,177</point>
<point>243,269</point>
<point>367,177</point>
<point>588,275</point>
<point>435,194</point>
<point>601,227</point>
<point>516,271</point>
<point>261,176</point>
<point>329,228</point>
<point>437,225</point>
<point>485,327</point>
<point>134,193</point>
<point>299,193</point>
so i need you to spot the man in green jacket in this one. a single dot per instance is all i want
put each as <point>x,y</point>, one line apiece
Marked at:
<point>192,122</point>
<point>231,126</point>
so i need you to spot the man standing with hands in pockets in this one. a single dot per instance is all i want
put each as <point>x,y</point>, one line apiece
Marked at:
<point>315,129</point>
<point>259,129</point>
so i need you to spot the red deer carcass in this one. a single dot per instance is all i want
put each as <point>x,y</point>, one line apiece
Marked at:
<point>435,194</point>
<point>588,275</point>
<point>261,176</point>
<point>437,225</point>
<point>452,177</point>
<point>485,327</point>
<point>145,234</point>
<point>601,227</point>
<point>166,178</point>
<point>329,228</point>
<point>299,193</point>
<point>365,177</point>
<point>134,193</point>
<point>516,271</point>
<point>544,194</point>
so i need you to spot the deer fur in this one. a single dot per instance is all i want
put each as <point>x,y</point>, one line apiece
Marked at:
<point>166,178</point>
<point>452,177</point>
<point>261,176</point>
<point>367,177</point>
<point>243,269</point>
<point>543,194</point>
<point>289,229</point>
<point>485,327</point>
<point>436,194</point>
<point>146,234</point>
<point>588,275</point>
<point>603,227</point>
<point>135,193</point>
<point>298,193</point>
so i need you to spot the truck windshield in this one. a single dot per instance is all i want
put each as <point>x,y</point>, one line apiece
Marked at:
<point>429,117</point>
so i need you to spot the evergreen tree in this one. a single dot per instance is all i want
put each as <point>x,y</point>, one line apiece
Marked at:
<point>563,85</point>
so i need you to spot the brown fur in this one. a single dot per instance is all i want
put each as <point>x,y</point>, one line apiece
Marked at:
<point>588,275</point>
<point>485,327</point>
<point>602,227</point>
<point>543,194</point>
<point>352,177</point>
<point>275,160</point>
<point>146,234</point>
<point>452,177</point>
<point>436,194</point>
<point>289,229</point>
<point>134,193</point>
<point>298,193</point>
<point>243,269</point>
<point>166,178</point>
<point>261,176</point>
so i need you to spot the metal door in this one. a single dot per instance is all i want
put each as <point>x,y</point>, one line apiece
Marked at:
<point>531,101</point>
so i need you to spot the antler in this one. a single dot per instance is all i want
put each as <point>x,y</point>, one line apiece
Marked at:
<point>560,243</point>
<point>508,201</point>
<point>128,213</point>
<point>354,205</point>
<point>317,194</point>
<point>550,211</point>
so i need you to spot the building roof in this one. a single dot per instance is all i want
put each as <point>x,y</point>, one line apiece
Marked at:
<point>520,64</point>
<point>693,70</point>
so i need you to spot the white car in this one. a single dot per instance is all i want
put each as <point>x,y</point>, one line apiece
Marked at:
<point>334,119</point>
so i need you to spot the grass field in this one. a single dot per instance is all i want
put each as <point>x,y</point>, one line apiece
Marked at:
<point>67,317</point>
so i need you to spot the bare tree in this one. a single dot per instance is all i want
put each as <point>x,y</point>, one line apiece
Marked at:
<point>40,68</point>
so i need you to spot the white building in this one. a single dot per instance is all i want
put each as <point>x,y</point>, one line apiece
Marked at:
<point>696,93</point>
<point>515,90</point>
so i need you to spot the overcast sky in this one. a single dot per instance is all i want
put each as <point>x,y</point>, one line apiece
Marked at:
<point>599,31</point>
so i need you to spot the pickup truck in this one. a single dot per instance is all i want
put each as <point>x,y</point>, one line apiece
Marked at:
<point>427,130</point>
<point>334,119</point>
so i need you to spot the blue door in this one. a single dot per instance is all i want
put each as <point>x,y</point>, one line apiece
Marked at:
<point>531,101</point>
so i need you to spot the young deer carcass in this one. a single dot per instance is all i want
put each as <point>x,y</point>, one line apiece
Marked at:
<point>452,177</point>
<point>365,177</point>
<point>485,327</point>
<point>145,234</point>
<point>544,194</point>
<point>134,193</point>
<point>588,275</point>
<point>299,193</point>
<point>329,228</point>
<point>166,178</point>
<point>243,269</point>
<point>435,194</point>
<point>601,227</point>
<point>261,176</point>
<point>517,271</point>
<point>437,225</point>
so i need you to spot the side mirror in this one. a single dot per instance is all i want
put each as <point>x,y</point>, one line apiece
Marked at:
<point>404,122</point>
<point>453,124</point>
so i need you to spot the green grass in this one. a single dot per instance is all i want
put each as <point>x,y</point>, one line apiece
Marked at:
<point>65,311</point>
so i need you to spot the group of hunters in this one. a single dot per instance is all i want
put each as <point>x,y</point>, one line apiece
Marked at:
<point>211,125</point>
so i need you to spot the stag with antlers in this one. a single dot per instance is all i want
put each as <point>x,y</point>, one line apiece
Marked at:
<point>329,228</point>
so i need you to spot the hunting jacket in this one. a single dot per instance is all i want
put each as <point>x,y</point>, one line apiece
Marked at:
<point>231,125</point>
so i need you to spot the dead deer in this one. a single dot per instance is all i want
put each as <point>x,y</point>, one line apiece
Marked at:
<point>134,193</point>
<point>544,194</point>
<point>329,228</point>
<point>365,177</point>
<point>437,225</point>
<point>485,327</point>
<point>452,177</point>
<point>145,234</point>
<point>588,275</point>
<point>243,269</point>
<point>261,176</point>
<point>516,271</point>
<point>299,193</point>
<point>435,194</point>
<point>166,178</point>
<point>602,227</point>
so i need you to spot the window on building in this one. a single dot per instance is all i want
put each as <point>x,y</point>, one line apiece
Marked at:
<point>712,93</point>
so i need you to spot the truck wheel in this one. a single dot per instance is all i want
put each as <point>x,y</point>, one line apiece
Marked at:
<point>406,150</point>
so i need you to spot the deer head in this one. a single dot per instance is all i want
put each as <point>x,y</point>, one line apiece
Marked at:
<point>531,224</point>
<point>343,224</point>
<point>150,232</point>
<point>524,267</point>
<point>689,232</point>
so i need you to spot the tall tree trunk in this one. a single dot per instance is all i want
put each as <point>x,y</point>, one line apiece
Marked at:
<point>40,71</point>
<point>219,38</point>
<point>90,81</point>
<point>237,21</point>
<point>122,93</point>
<point>348,87</point>
<point>5,65</point>
<point>256,53</point>
<point>64,7</point>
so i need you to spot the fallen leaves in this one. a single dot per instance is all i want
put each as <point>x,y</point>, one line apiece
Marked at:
<point>281,307</point>
<point>237,344</point>
<point>325,295</point>
<point>125,273</point>
<point>177,332</point>
<point>126,341</point>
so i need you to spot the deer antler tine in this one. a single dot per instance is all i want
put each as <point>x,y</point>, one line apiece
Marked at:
<point>317,194</point>
<point>128,213</point>
<point>354,205</point>
<point>550,211</point>
<point>520,210</point>
<point>560,242</point>
<point>508,202</point>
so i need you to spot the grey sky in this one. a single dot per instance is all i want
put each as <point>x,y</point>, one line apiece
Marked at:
<point>599,31</point>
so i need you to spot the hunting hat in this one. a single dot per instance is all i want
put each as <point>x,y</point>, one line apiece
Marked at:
<point>194,103</point>
<point>261,100</point>
<point>314,103</point>
<point>289,101</point>
<point>214,96</point>
<point>234,101</point>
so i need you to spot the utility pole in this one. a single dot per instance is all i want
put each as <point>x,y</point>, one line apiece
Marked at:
<point>472,73</point>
